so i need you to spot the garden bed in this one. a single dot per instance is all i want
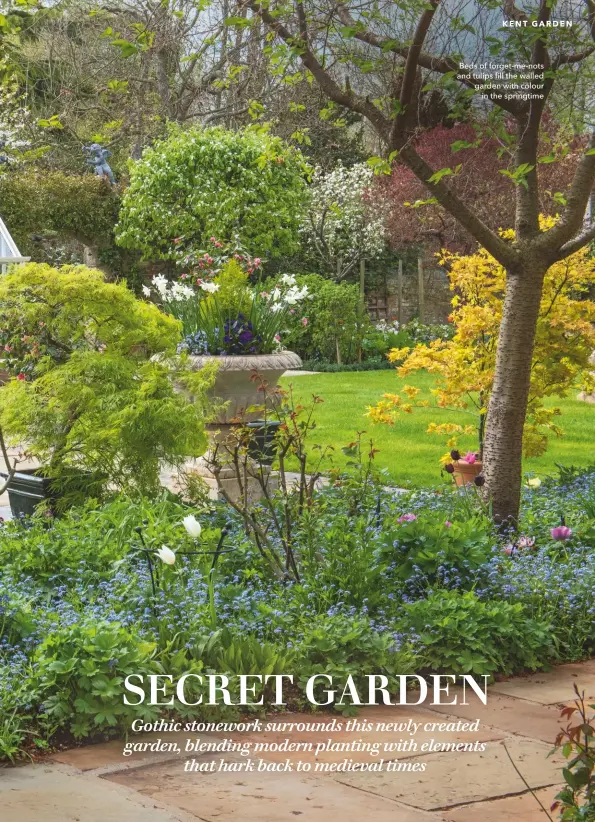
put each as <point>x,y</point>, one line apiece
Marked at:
<point>387,584</point>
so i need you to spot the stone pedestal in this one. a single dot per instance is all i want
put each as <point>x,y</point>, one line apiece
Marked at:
<point>226,483</point>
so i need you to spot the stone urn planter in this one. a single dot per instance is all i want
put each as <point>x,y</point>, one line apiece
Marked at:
<point>234,384</point>
<point>238,391</point>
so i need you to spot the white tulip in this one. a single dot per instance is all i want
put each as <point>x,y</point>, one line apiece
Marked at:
<point>192,526</point>
<point>166,555</point>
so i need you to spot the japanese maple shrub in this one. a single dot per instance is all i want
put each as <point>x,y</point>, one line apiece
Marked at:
<point>95,373</point>
<point>465,365</point>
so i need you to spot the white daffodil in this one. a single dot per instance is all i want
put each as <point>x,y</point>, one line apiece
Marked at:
<point>210,287</point>
<point>534,482</point>
<point>192,526</point>
<point>295,295</point>
<point>146,291</point>
<point>181,292</point>
<point>166,555</point>
<point>288,279</point>
<point>160,283</point>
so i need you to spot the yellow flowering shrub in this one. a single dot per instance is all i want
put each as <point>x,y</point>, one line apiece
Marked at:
<point>464,366</point>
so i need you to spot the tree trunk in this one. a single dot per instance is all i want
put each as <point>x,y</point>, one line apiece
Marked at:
<point>510,392</point>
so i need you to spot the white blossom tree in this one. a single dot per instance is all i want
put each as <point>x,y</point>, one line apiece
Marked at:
<point>344,225</point>
<point>13,126</point>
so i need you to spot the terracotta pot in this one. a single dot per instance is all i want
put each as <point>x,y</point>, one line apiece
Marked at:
<point>234,386</point>
<point>465,472</point>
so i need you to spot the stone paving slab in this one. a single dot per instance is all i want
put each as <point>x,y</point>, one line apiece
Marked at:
<point>553,687</point>
<point>265,797</point>
<point>534,720</point>
<point>456,778</point>
<point>455,787</point>
<point>523,808</point>
<point>373,715</point>
<point>108,754</point>
<point>42,793</point>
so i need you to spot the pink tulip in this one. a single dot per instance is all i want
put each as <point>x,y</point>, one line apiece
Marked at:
<point>526,542</point>
<point>561,532</point>
<point>469,458</point>
<point>508,549</point>
<point>304,321</point>
<point>407,518</point>
<point>448,524</point>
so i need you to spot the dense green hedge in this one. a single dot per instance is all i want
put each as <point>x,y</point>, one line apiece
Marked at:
<point>83,207</point>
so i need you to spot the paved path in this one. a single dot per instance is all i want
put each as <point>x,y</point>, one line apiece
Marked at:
<point>97,784</point>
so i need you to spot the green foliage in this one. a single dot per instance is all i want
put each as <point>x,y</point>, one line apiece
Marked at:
<point>13,733</point>
<point>234,295</point>
<point>339,646</point>
<point>423,333</point>
<point>374,364</point>
<point>96,399</point>
<point>49,314</point>
<point>81,673</point>
<point>107,415</point>
<point>225,653</point>
<point>459,633</point>
<point>377,344</point>
<point>16,619</point>
<point>77,610</point>
<point>438,551</point>
<point>336,325</point>
<point>199,183</point>
<point>82,207</point>
<point>576,801</point>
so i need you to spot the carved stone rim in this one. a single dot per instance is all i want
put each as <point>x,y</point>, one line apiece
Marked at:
<point>282,361</point>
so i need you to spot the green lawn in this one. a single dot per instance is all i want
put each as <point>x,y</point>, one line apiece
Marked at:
<point>405,449</point>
